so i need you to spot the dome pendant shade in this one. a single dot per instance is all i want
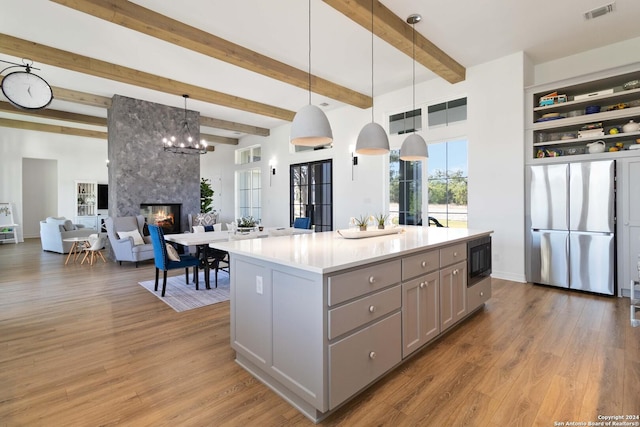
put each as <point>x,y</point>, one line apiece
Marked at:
<point>372,140</point>
<point>311,128</point>
<point>414,148</point>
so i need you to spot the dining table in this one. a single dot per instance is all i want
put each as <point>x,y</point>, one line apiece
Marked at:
<point>202,240</point>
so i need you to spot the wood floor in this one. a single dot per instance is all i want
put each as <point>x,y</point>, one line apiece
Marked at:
<point>88,346</point>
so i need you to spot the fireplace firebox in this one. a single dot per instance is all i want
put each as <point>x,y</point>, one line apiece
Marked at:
<point>165,215</point>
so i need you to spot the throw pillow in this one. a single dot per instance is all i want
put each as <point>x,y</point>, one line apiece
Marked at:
<point>205,219</point>
<point>208,228</point>
<point>198,228</point>
<point>137,238</point>
<point>172,253</point>
<point>68,225</point>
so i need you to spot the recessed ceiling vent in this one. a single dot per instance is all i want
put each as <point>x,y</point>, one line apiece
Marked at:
<point>599,11</point>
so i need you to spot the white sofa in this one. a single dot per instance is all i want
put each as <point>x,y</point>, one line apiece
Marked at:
<point>54,229</point>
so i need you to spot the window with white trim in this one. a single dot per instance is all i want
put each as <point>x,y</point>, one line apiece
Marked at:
<point>248,190</point>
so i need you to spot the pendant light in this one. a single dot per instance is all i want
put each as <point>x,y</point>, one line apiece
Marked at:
<point>414,146</point>
<point>372,139</point>
<point>310,126</point>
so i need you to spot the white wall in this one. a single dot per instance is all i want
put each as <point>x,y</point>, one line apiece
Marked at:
<point>79,158</point>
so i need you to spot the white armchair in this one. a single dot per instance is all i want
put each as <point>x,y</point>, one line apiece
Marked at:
<point>53,230</point>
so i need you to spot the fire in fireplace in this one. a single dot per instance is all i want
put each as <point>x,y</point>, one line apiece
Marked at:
<point>165,215</point>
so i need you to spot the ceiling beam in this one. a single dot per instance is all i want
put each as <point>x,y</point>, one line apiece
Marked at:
<point>399,34</point>
<point>104,102</point>
<point>219,139</point>
<point>232,126</point>
<point>41,127</point>
<point>138,18</point>
<point>48,113</point>
<point>59,58</point>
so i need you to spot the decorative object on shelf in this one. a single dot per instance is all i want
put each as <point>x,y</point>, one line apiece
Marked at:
<point>184,142</point>
<point>310,126</point>
<point>633,84</point>
<point>619,106</point>
<point>596,147</point>
<point>631,127</point>
<point>551,99</point>
<point>24,89</point>
<point>381,219</point>
<point>592,109</point>
<point>592,94</point>
<point>414,146</point>
<point>372,139</point>
<point>206,195</point>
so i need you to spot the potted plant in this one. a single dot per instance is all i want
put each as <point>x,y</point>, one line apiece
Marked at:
<point>206,195</point>
<point>246,223</point>
<point>362,222</point>
<point>381,219</point>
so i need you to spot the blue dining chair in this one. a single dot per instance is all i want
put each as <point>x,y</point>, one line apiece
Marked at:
<point>304,222</point>
<point>165,264</point>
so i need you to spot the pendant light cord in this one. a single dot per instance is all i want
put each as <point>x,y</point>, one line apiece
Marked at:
<point>372,87</point>
<point>309,50</point>
<point>414,77</point>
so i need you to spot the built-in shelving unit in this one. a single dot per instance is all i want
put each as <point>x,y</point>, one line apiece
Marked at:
<point>86,203</point>
<point>559,136</point>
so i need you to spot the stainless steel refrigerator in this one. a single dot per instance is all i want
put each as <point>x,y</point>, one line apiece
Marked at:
<point>572,207</point>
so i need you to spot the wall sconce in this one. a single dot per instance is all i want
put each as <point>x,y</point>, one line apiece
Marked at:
<point>354,159</point>
<point>272,169</point>
<point>107,162</point>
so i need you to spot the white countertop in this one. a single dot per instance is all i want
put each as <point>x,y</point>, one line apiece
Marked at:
<point>328,252</point>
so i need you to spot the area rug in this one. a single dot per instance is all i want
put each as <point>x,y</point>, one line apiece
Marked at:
<point>183,297</point>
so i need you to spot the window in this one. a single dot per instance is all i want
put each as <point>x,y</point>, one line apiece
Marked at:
<point>447,113</point>
<point>248,155</point>
<point>405,190</point>
<point>405,122</point>
<point>311,193</point>
<point>447,183</point>
<point>248,189</point>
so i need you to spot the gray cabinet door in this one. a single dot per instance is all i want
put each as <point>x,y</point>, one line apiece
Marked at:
<point>453,295</point>
<point>420,312</point>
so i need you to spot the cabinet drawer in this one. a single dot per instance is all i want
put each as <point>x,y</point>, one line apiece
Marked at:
<point>362,357</point>
<point>346,286</point>
<point>478,294</point>
<point>419,264</point>
<point>453,254</point>
<point>357,313</point>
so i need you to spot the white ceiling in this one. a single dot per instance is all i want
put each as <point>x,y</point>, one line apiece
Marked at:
<point>471,32</point>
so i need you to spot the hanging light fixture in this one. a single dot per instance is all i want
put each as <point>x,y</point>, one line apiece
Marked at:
<point>372,139</point>
<point>184,143</point>
<point>310,126</point>
<point>414,146</point>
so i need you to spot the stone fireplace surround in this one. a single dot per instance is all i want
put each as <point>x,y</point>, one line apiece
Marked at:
<point>140,171</point>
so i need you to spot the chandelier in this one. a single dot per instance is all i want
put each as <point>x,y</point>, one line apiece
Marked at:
<point>184,143</point>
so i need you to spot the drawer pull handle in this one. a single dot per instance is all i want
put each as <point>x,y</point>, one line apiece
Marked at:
<point>372,279</point>
<point>372,309</point>
<point>372,355</point>
<point>455,254</point>
<point>423,264</point>
<point>455,272</point>
<point>422,285</point>
<point>481,294</point>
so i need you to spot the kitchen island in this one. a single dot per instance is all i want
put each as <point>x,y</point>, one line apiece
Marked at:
<point>318,317</point>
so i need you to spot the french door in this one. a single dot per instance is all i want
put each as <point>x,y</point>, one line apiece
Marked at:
<point>311,193</point>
